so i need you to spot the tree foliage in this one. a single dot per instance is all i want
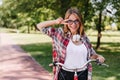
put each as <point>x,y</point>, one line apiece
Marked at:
<point>18,13</point>
<point>27,13</point>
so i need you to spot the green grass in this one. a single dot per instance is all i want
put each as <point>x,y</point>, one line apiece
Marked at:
<point>40,47</point>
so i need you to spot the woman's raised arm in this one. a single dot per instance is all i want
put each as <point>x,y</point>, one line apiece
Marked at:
<point>49,23</point>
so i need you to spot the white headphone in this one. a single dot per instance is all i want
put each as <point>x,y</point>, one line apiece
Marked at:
<point>76,38</point>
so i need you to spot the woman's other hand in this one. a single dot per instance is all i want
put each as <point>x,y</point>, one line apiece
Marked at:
<point>101,58</point>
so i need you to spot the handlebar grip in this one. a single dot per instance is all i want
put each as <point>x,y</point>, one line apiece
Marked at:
<point>101,64</point>
<point>53,64</point>
<point>98,62</point>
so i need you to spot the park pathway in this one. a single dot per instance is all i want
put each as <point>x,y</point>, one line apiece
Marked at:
<point>16,64</point>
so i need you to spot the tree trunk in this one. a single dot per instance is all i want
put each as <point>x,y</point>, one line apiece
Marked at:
<point>99,30</point>
<point>65,5</point>
<point>35,26</point>
<point>28,29</point>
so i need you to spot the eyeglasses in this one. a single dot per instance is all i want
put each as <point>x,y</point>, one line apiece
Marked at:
<point>71,21</point>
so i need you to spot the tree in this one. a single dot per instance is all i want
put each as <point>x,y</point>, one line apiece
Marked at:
<point>19,13</point>
<point>99,7</point>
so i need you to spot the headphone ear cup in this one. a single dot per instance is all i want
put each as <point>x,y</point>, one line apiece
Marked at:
<point>76,37</point>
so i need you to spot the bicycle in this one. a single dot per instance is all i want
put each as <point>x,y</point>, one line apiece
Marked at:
<point>58,64</point>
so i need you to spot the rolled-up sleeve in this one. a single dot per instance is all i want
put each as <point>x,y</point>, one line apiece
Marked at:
<point>92,51</point>
<point>48,30</point>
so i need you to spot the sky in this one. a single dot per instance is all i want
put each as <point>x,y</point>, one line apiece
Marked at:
<point>0,2</point>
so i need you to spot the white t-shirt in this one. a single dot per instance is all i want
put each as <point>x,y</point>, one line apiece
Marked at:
<point>76,56</point>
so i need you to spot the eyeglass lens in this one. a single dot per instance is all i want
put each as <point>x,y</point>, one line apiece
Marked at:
<point>71,21</point>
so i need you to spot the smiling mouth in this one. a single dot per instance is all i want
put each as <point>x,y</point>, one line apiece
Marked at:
<point>73,27</point>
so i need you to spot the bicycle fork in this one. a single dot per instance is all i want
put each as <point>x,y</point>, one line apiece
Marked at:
<point>75,75</point>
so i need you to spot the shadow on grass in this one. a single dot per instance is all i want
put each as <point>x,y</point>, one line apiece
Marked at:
<point>111,52</point>
<point>42,52</point>
<point>109,47</point>
<point>105,35</point>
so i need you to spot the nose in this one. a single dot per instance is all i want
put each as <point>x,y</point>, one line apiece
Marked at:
<point>74,23</point>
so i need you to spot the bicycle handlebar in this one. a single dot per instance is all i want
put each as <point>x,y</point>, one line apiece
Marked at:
<point>91,60</point>
<point>76,69</point>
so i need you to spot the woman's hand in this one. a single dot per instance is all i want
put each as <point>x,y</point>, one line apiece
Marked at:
<point>59,20</point>
<point>101,59</point>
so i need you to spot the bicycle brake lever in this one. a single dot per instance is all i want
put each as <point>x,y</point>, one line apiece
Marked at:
<point>98,62</point>
<point>101,64</point>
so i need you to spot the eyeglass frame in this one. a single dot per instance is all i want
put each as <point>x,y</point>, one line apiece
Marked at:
<point>71,21</point>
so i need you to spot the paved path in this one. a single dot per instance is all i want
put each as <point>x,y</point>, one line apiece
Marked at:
<point>15,64</point>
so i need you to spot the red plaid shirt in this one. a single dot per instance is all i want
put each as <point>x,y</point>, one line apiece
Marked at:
<point>60,43</point>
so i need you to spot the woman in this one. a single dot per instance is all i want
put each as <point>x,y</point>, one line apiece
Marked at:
<point>70,45</point>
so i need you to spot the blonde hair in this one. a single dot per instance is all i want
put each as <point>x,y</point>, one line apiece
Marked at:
<point>79,16</point>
